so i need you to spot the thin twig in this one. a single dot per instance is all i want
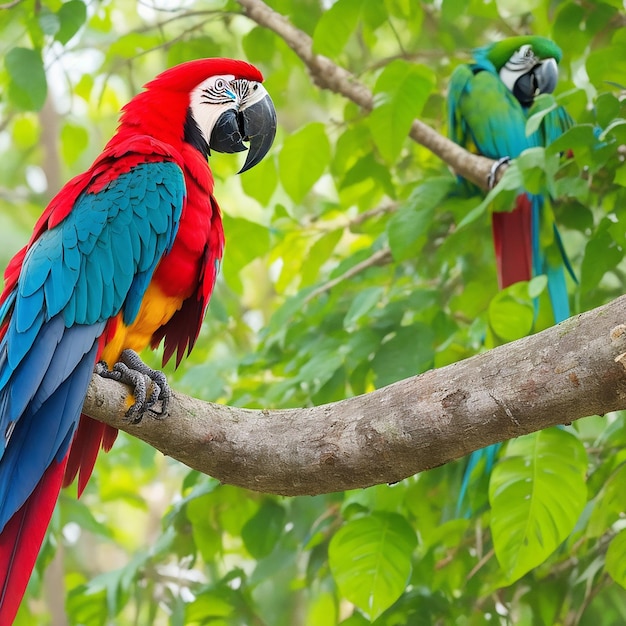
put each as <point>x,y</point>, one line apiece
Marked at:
<point>379,257</point>
<point>10,5</point>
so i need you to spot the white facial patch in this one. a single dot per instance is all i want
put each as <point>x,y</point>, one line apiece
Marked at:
<point>217,94</point>
<point>522,61</point>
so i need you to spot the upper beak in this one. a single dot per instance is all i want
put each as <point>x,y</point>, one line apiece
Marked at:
<point>542,78</point>
<point>547,75</point>
<point>255,124</point>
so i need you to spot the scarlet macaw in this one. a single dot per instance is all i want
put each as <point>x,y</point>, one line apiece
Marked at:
<point>124,256</point>
<point>489,103</point>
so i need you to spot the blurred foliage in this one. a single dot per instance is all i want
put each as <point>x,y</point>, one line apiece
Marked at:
<point>351,262</point>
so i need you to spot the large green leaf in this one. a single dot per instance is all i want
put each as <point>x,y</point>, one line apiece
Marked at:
<point>263,530</point>
<point>537,492</point>
<point>511,315</point>
<point>28,87</point>
<point>72,16</point>
<point>245,241</point>
<point>399,96</point>
<point>335,27</point>
<point>370,560</point>
<point>408,353</point>
<point>303,159</point>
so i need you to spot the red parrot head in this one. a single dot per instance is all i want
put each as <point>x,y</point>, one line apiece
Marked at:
<point>217,104</point>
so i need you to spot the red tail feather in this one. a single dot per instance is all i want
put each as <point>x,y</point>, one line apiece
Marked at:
<point>89,438</point>
<point>21,539</point>
<point>512,237</point>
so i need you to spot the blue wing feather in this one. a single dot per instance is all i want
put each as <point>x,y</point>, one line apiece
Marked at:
<point>96,262</point>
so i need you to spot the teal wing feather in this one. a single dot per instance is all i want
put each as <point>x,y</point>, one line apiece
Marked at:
<point>92,265</point>
<point>484,116</point>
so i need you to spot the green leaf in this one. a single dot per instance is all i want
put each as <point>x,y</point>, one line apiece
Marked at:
<point>74,140</point>
<point>370,560</point>
<point>601,255</point>
<point>260,181</point>
<point>501,196</point>
<point>303,159</point>
<point>543,104</point>
<point>615,563</point>
<point>262,531</point>
<point>409,352</point>
<point>362,304</point>
<point>259,45</point>
<point>399,96</point>
<point>28,87</point>
<point>510,315</point>
<point>335,27</point>
<point>408,228</point>
<point>72,15</point>
<point>537,285</point>
<point>537,492</point>
<point>609,503</point>
<point>206,607</point>
<point>249,241</point>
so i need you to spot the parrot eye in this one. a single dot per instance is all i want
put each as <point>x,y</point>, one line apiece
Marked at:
<point>220,84</point>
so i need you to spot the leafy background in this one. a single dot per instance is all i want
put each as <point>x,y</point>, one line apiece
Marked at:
<point>353,260</point>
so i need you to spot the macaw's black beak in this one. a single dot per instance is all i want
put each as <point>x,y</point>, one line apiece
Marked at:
<point>255,124</point>
<point>542,78</point>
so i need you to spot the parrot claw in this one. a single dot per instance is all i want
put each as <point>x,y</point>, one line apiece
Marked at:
<point>492,177</point>
<point>150,387</point>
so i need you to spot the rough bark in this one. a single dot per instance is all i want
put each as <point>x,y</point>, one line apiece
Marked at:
<point>328,75</point>
<point>567,372</point>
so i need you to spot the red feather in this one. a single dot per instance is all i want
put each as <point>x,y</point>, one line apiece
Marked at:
<point>151,128</point>
<point>512,237</point>
<point>22,537</point>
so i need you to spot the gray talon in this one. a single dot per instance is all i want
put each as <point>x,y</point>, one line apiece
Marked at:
<point>132,371</point>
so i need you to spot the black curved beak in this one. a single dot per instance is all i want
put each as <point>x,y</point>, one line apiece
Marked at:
<point>542,78</point>
<point>255,124</point>
<point>547,75</point>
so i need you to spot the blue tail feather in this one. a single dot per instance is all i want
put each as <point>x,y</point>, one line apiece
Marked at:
<point>46,392</point>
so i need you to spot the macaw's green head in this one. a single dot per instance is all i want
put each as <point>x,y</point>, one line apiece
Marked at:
<point>527,65</point>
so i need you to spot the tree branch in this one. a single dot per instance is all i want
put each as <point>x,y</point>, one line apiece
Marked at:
<point>328,75</point>
<point>564,373</point>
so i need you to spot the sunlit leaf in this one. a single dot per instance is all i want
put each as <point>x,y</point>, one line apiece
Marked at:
<point>370,559</point>
<point>537,492</point>
<point>511,317</point>
<point>399,96</point>
<point>335,27</point>
<point>303,159</point>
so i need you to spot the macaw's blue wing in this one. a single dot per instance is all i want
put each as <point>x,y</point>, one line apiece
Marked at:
<point>75,278</point>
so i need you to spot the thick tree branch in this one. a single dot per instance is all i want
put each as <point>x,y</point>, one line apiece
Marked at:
<point>567,372</point>
<point>328,75</point>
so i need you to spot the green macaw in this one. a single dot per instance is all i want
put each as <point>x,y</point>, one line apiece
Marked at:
<point>489,103</point>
